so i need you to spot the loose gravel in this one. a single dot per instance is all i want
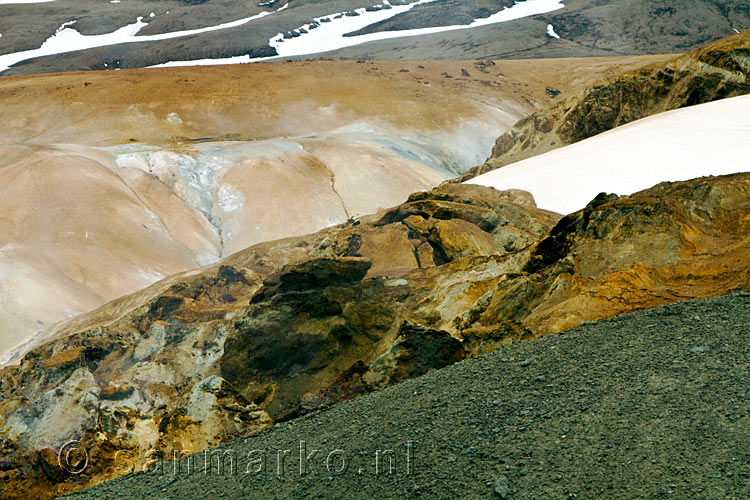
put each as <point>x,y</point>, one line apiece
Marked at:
<point>654,404</point>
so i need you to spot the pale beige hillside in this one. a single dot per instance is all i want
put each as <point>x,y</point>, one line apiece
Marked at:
<point>113,180</point>
<point>279,99</point>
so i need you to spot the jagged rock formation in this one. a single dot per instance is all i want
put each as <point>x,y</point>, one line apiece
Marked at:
<point>286,327</point>
<point>716,71</point>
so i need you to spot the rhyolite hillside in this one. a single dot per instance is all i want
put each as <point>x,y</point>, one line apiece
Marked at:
<point>115,180</point>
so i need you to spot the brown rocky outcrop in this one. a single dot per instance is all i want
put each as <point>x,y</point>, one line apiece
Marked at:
<point>415,351</point>
<point>289,326</point>
<point>207,356</point>
<point>717,71</point>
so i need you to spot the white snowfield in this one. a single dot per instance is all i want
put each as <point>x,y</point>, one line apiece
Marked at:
<point>67,39</point>
<point>326,33</point>
<point>323,34</point>
<point>709,139</point>
<point>330,35</point>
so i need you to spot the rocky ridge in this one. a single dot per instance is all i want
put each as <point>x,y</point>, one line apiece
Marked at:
<point>288,327</point>
<point>717,71</point>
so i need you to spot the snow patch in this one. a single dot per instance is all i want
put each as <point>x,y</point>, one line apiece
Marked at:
<point>327,33</point>
<point>328,110</point>
<point>244,59</point>
<point>551,32</point>
<point>66,39</point>
<point>709,139</point>
<point>22,348</point>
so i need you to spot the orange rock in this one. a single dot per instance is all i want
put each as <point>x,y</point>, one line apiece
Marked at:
<point>458,238</point>
<point>426,255</point>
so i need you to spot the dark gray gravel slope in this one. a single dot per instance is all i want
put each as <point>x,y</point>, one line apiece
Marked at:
<point>654,404</point>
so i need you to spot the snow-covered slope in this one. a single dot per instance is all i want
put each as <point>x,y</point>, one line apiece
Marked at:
<point>710,139</point>
<point>67,39</point>
<point>325,33</point>
<point>117,34</point>
<point>332,32</point>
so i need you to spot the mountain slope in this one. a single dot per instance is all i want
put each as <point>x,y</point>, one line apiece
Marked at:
<point>115,180</point>
<point>286,327</point>
<point>619,408</point>
<point>62,35</point>
<point>708,139</point>
<point>585,28</point>
<point>716,71</point>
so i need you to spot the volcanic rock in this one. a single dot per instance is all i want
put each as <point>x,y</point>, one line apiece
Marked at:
<point>178,368</point>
